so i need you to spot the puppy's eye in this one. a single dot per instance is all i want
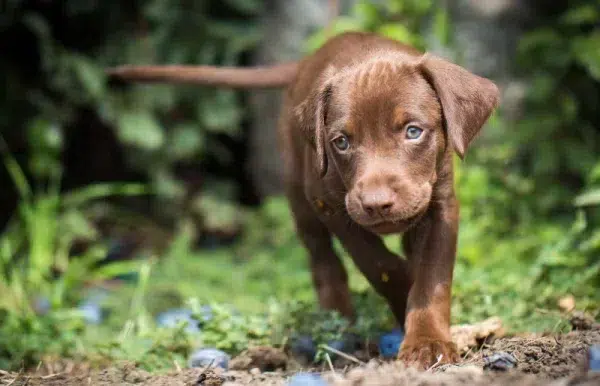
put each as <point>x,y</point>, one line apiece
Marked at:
<point>342,143</point>
<point>413,132</point>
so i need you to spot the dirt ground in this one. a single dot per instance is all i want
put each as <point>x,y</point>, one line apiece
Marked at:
<point>540,360</point>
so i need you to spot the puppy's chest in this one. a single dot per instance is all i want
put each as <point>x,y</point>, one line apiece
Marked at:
<point>327,202</point>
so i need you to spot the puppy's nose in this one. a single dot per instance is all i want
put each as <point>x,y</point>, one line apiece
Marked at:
<point>378,202</point>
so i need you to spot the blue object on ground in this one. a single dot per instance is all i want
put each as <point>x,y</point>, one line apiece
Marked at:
<point>90,307</point>
<point>306,379</point>
<point>172,318</point>
<point>42,305</point>
<point>500,361</point>
<point>389,343</point>
<point>205,356</point>
<point>594,358</point>
<point>339,345</point>
<point>206,313</point>
<point>91,312</point>
<point>304,346</point>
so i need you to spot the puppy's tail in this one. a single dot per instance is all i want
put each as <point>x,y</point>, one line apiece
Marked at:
<point>275,76</point>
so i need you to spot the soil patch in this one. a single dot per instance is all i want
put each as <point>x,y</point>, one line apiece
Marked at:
<point>540,360</point>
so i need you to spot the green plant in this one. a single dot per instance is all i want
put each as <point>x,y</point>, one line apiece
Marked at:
<point>36,261</point>
<point>402,20</point>
<point>58,86</point>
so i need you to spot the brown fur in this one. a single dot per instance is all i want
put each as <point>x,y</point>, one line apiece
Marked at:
<point>371,89</point>
<point>258,77</point>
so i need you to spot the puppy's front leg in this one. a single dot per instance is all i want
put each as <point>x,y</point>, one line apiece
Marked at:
<point>328,273</point>
<point>428,314</point>
<point>387,272</point>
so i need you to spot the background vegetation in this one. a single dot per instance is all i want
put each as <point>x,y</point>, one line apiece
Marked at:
<point>96,174</point>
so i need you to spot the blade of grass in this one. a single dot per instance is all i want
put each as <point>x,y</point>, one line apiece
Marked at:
<point>97,191</point>
<point>15,171</point>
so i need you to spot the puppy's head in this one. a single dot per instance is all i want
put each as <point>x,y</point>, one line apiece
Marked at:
<point>384,127</point>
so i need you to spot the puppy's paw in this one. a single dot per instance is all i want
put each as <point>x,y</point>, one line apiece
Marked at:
<point>425,353</point>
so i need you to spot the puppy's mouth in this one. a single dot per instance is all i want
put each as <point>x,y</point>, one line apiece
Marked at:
<point>387,226</point>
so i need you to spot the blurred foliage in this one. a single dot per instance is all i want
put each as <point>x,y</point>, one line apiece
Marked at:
<point>529,193</point>
<point>40,279</point>
<point>402,20</point>
<point>54,68</point>
<point>537,177</point>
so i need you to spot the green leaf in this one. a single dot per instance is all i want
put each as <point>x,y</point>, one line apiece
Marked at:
<point>141,130</point>
<point>249,7</point>
<point>44,135</point>
<point>367,13</point>
<point>595,173</point>
<point>185,141</point>
<point>74,224</point>
<point>584,14</point>
<point>115,269</point>
<point>398,32</point>
<point>89,193</point>
<point>16,172</point>
<point>220,113</point>
<point>340,25</point>
<point>90,75</point>
<point>587,52</point>
<point>544,47</point>
<point>591,198</point>
<point>441,25</point>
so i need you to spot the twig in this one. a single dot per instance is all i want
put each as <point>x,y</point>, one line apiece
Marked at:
<point>343,354</point>
<point>209,366</point>
<point>203,376</point>
<point>49,368</point>
<point>51,375</point>
<point>465,355</point>
<point>329,363</point>
<point>13,381</point>
<point>439,359</point>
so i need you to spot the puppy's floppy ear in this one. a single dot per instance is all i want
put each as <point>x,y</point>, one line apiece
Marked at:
<point>320,124</point>
<point>312,115</point>
<point>467,99</point>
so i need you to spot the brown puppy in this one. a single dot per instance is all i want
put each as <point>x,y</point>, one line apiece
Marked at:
<point>368,130</point>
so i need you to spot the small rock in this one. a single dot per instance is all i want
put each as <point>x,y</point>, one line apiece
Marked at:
<point>500,361</point>
<point>356,374</point>
<point>255,371</point>
<point>91,312</point>
<point>265,358</point>
<point>389,343</point>
<point>582,321</point>
<point>306,379</point>
<point>41,305</point>
<point>304,347</point>
<point>593,359</point>
<point>205,356</point>
<point>91,309</point>
<point>567,303</point>
<point>373,364</point>
<point>206,313</point>
<point>172,318</point>
<point>468,336</point>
